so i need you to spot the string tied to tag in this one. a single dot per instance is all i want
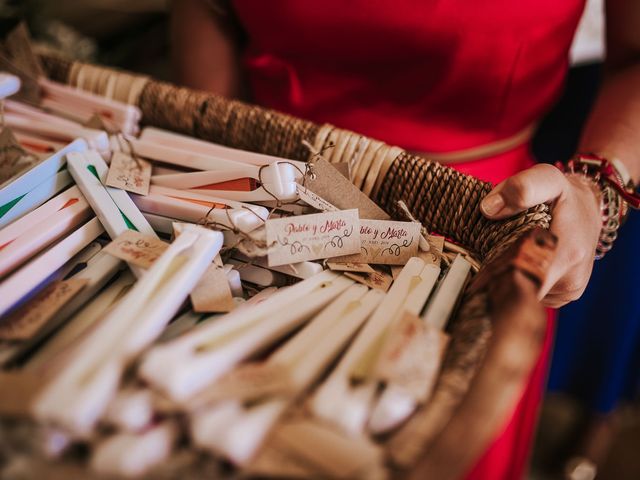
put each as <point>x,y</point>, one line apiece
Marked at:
<point>247,244</point>
<point>132,152</point>
<point>424,244</point>
<point>316,153</point>
<point>278,200</point>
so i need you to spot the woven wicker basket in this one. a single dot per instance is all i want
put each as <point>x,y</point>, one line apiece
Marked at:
<point>497,332</point>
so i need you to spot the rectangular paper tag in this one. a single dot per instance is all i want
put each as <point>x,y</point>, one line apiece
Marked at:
<point>98,122</point>
<point>248,382</point>
<point>212,293</point>
<point>28,319</point>
<point>316,201</point>
<point>136,248</point>
<point>13,158</point>
<point>19,59</point>
<point>344,169</point>
<point>127,173</point>
<point>272,461</point>
<point>377,279</point>
<point>20,388</point>
<point>411,356</point>
<point>386,242</point>
<point>434,255</point>
<point>327,451</point>
<point>331,185</point>
<point>350,267</point>
<point>431,257</point>
<point>309,237</point>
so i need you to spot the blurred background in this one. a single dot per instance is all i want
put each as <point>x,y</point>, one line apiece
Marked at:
<point>591,413</point>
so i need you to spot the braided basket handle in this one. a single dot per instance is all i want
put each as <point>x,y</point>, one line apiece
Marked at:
<point>444,200</point>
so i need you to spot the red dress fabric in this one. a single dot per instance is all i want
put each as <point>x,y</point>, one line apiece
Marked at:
<point>426,75</point>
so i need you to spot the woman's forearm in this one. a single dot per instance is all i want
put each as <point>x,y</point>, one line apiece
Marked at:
<point>205,55</point>
<point>614,126</point>
<point>613,129</point>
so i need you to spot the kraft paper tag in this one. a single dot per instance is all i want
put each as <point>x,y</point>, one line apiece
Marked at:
<point>337,190</point>
<point>20,388</point>
<point>19,59</point>
<point>343,168</point>
<point>378,280</point>
<point>212,293</point>
<point>13,158</point>
<point>310,237</point>
<point>436,246</point>
<point>136,248</point>
<point>432,257</point>
<point>98,122</point>
<point>28,319</point>
<point>127,173</point>
<point>249,382</point>
<point>386,242</point>
<point>273,461</point>
<point>411,356</point>
<point>316,201</point>
<point>327,451</point>
<point>350,267</point>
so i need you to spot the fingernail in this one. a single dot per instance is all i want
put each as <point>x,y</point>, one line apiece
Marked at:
<point>492,204</point>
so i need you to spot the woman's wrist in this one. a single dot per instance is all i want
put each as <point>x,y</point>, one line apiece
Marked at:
<point>614,190</point>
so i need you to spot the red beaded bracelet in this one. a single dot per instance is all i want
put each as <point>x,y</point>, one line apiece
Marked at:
<point>618,194</point>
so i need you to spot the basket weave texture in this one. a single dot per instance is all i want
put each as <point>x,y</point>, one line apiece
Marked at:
<point>444,200</point>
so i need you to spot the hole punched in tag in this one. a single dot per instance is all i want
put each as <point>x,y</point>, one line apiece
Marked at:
<point>315,153</point>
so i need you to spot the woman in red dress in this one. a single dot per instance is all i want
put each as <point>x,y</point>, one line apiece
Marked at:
<point>456,80</point>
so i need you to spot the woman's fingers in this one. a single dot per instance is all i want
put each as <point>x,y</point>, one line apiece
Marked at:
<point>576,223</point>
<point>539,184</point>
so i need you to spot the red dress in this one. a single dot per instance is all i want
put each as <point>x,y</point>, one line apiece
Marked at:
<point>426,75</point>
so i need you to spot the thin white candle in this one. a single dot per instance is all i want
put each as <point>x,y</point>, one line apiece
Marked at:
<point>79,394</point>
<point>133,454</point>
<point>188,364</point>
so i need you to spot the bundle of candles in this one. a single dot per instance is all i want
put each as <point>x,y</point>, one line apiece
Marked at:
<point>160,293</point>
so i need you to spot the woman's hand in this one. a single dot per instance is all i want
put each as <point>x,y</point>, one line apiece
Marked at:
<point>576,222</point>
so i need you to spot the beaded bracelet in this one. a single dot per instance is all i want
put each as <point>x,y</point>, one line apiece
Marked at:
<point>618,193</point>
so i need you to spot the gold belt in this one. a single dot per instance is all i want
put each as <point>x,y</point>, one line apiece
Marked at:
<point>482,151</point>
